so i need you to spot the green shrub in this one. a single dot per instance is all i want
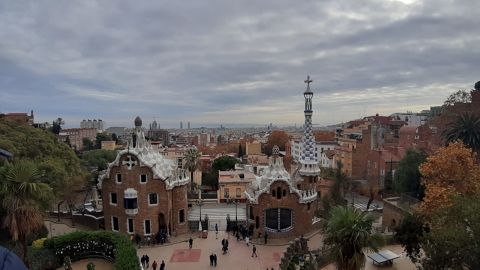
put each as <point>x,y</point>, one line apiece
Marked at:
<point>109,245</point>
<point>42,258</point>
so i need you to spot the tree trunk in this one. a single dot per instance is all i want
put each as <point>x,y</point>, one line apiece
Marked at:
<point>191,180</point>
<point>58,210</point>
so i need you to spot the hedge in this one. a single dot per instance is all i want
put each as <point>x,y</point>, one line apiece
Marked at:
<point>111,246</point>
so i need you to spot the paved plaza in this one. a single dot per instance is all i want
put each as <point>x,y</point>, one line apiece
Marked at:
<point>178,256</point>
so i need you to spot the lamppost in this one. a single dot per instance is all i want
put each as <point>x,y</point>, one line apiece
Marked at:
<point>236,203</point>
<point>199,203</point>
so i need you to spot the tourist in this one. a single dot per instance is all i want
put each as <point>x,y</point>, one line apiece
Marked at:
<point>216,231</point>
<point>10,261</point>
<point>254,251</point>
<point>142,260</point>
<point>215,260</point>
<point>190,242</point>
<point>162,266</point>
<point>147,260</point>
<point>247,240</point>
<point>154,265</point>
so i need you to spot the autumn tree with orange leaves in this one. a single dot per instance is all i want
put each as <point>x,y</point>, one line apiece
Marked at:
<point>277,137</point>
<point>451,171</point>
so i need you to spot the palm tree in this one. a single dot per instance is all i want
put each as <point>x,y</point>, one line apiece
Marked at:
<point>192,157</point>
<point>347,233</point>
<point>465,128</point>
<point>22,195</point>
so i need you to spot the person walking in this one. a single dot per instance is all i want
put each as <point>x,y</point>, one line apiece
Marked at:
<point>162,265</point>
<point>190,242</point>
<point>211,259</point>
<point>216,231</point>
<point>254,251</point>
<point>142,260</point>
<point>154,265</point>
<point>247,240</point>
<point>215,260</point>
<point>147,260</point>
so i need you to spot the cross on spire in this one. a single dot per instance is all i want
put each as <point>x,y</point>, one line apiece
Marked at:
<point>308,81</point>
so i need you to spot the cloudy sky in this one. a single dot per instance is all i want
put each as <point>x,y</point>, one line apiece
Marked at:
<point>233,62</point>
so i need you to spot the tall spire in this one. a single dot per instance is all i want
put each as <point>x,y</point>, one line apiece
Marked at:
<point>308,160</point>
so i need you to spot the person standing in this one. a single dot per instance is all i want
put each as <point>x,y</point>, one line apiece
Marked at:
<point>190,242</point>
<point>215,260</point>
<point>247,240</point>
<point>254,251</point>
<point>211,259</point>
<point>154,265</point>
<point>216,231</point>
<point>162,266</point>
<point>142,260</point>
<point>147,260</point>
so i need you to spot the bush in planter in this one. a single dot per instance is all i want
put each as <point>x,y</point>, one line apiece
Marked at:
<point>42,258</point>
<point>113,246</point>
<point>90,266</point>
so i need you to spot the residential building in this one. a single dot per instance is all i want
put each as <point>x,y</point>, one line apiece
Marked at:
<point>232,184</point>
<point>19,118</point>
<point>322,148</point>
<point>143,191</point>
<point>96,124</point>
<point>108,145</point>
<point>253,148</point>
<point>76,135</point>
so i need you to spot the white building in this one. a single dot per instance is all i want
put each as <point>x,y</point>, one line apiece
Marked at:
<point>97,124</point>
<point>412,119</point>
<point>323,152</point>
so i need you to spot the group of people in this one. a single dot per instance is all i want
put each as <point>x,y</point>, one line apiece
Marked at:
<point>213,260</point>
<point>160,238</point>
<point>145,260</point>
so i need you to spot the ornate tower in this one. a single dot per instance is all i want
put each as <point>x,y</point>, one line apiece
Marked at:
<point>308,161</point>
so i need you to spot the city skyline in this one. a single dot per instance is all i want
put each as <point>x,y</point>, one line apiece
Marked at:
<point>242,64</point>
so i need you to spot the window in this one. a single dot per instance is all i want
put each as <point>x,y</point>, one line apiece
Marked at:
<point>181,216</point>
<point>118,178</point>
<point>130,228</point>
<point>180,162</point>
<point>251,212</point>
<point>226,193</point>
<point>115,224</point>
<point>147,227</point>
<point>238,193</point>
<point>308,206</point>
<point>152,199</point>
<point>130,203</point>
<point>113,198</point>
<point>279,193</point>
<point>143,178</point>
<point>284,192</point>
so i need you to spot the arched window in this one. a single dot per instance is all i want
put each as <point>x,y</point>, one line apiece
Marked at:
<point>279,193</point>
<point>284,192</point>
<point>257,222</point>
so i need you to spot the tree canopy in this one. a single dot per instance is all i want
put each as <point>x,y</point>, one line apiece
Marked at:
<point>277,137</point>
<point>462,96</point>
<point>224,163</point>
<point>466,128</point>
<point>408,178</point>
<point>56,160</point>
<point>452,170</point>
